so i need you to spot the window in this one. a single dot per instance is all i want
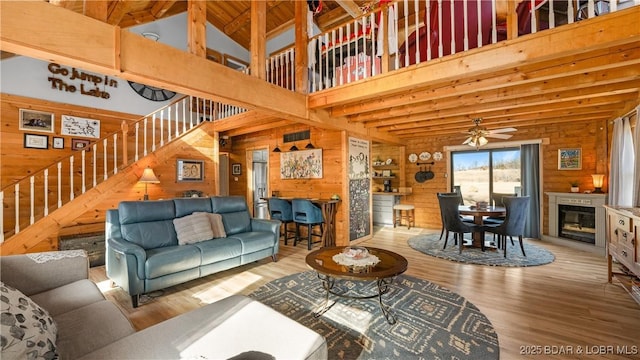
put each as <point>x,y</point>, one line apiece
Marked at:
<point>480,173</point>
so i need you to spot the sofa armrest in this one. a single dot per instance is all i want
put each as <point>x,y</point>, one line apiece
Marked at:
<point>133,256</point>
<point>266,225</point>
<point>37,272</point>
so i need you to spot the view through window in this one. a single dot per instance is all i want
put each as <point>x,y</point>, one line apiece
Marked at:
<point>480,173</point>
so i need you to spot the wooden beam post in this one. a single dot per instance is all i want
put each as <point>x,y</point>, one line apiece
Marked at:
<point>197,27</point>
<point>512,20</point>
<point>302,38</point>
<point>98,9</point>
<point>258,38</point>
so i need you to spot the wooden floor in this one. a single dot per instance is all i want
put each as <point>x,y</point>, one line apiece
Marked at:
<point>567,304</point>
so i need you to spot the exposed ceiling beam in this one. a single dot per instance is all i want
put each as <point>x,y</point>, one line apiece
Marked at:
<point>350,7</point>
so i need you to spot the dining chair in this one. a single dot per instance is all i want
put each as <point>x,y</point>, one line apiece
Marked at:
<point>452,222</point>
<point>280,209</point>
<point>517,208</point>
<point>497,200</point>
<point>306,213</point>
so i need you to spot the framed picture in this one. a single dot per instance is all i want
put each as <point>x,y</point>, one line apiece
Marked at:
<point>58,143</point>
<point>77,126</point>
<point>33,141</point>
<point>33,120</point>
<point>570,159</point>
<point>189,170</point>
<point>303,164</point>
<point>80,144</point>
<point>236,169</point>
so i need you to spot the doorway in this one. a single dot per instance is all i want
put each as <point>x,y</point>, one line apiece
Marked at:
<point>260,176</point>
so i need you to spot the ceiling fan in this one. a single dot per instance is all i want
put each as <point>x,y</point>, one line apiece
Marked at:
<point>478,134</point>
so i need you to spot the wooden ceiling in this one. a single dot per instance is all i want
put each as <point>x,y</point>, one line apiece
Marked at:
<point>232,17</point>
<point>584,71</point>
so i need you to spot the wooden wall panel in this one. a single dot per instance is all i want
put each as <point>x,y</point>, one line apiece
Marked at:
<point>16,162</point>
<point>586,135</point>
<point>331,183</point>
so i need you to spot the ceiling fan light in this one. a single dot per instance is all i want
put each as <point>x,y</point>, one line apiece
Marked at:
<point>482,141</point>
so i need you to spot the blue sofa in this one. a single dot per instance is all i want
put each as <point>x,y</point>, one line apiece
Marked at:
<point>143,253</point>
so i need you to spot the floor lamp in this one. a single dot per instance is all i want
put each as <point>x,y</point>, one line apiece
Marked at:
<point>148,177</point>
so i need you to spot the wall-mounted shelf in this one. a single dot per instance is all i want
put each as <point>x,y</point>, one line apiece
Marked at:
<point>390,167</point>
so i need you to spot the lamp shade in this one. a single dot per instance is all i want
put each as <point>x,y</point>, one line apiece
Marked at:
<point>148,176</point>
<point>598,181</point>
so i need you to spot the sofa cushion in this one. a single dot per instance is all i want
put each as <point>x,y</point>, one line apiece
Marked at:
<point>193,228</point>
<point>68,297</point>
<point>191,205</point>
<point>219,249</point>
<point>217,226</point>
<point>221,330</point>
<point>89,328</point>
<point>148,224</point>
<point>235,213</point>
<point>28,331</point>
<point>255,241</point>
<point>171,260</point>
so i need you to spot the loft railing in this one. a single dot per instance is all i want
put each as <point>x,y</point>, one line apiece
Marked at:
<point>405,33</point>
<point>33,197</point>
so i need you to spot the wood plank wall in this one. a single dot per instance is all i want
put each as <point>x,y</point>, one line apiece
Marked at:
<point>593,137</point>
<point>331,183</point>
<point>17,162</point>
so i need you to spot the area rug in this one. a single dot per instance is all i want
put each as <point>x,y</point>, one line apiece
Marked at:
<point>431,321</point>
<point>431,245</point>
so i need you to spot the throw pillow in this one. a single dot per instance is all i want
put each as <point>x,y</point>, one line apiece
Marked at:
<point>193,228</point>
<point>27,331</point>
<point>217,226</point>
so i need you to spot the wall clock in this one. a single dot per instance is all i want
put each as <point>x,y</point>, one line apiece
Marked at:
<point>151,92</point>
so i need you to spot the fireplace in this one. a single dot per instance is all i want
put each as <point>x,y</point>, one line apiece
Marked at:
<point>578,217</point>
<point>577,223</point>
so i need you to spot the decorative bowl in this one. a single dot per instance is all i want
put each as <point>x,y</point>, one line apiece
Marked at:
<point>355,252</point>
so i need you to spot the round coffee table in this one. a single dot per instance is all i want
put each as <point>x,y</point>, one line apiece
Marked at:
<point>383,273</point>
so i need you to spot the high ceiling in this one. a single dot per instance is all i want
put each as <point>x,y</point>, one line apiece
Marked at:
<point>232,17</point>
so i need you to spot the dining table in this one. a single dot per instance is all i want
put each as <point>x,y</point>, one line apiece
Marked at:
<point>479,213</point>
<point>329,208</point>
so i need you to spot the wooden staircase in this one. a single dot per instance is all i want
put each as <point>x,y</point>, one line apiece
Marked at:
<point>36,207</point>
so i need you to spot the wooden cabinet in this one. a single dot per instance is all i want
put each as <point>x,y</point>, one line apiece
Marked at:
<point>623,247</point>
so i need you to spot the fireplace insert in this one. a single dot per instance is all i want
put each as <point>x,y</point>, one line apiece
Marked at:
<point>577,223</point>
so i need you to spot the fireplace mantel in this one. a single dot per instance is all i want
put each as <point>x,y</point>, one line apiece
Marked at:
<point>596,201</point>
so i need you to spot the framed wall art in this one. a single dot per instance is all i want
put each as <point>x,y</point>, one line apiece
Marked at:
<point>236,169</point>
<point>33,141</point>
<point>58,143</point>
<point>77,126</point>
<point>189,170</point>
<point>33,120</point>
<point>80,144</point>
<point>570,159</point>
<point>303,164</point>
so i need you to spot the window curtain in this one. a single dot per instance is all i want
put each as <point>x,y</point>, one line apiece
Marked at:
<point>621,180</point>
<point>530,162</point>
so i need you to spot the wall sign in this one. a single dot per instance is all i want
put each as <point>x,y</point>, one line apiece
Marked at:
<point>77,126</point>
<point>73,80</point>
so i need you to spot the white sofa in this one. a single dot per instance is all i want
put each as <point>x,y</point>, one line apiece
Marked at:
<point>91,327</point>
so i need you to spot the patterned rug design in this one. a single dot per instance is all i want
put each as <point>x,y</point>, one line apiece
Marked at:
<point>431,245</point>
<point>432,322</point>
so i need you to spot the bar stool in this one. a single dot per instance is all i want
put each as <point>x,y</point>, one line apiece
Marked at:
<point>280,209</point>
<point>306,213</point>
<point>404,211</point>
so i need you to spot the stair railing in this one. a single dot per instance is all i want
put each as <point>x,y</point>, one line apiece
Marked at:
<point>52,187</point>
